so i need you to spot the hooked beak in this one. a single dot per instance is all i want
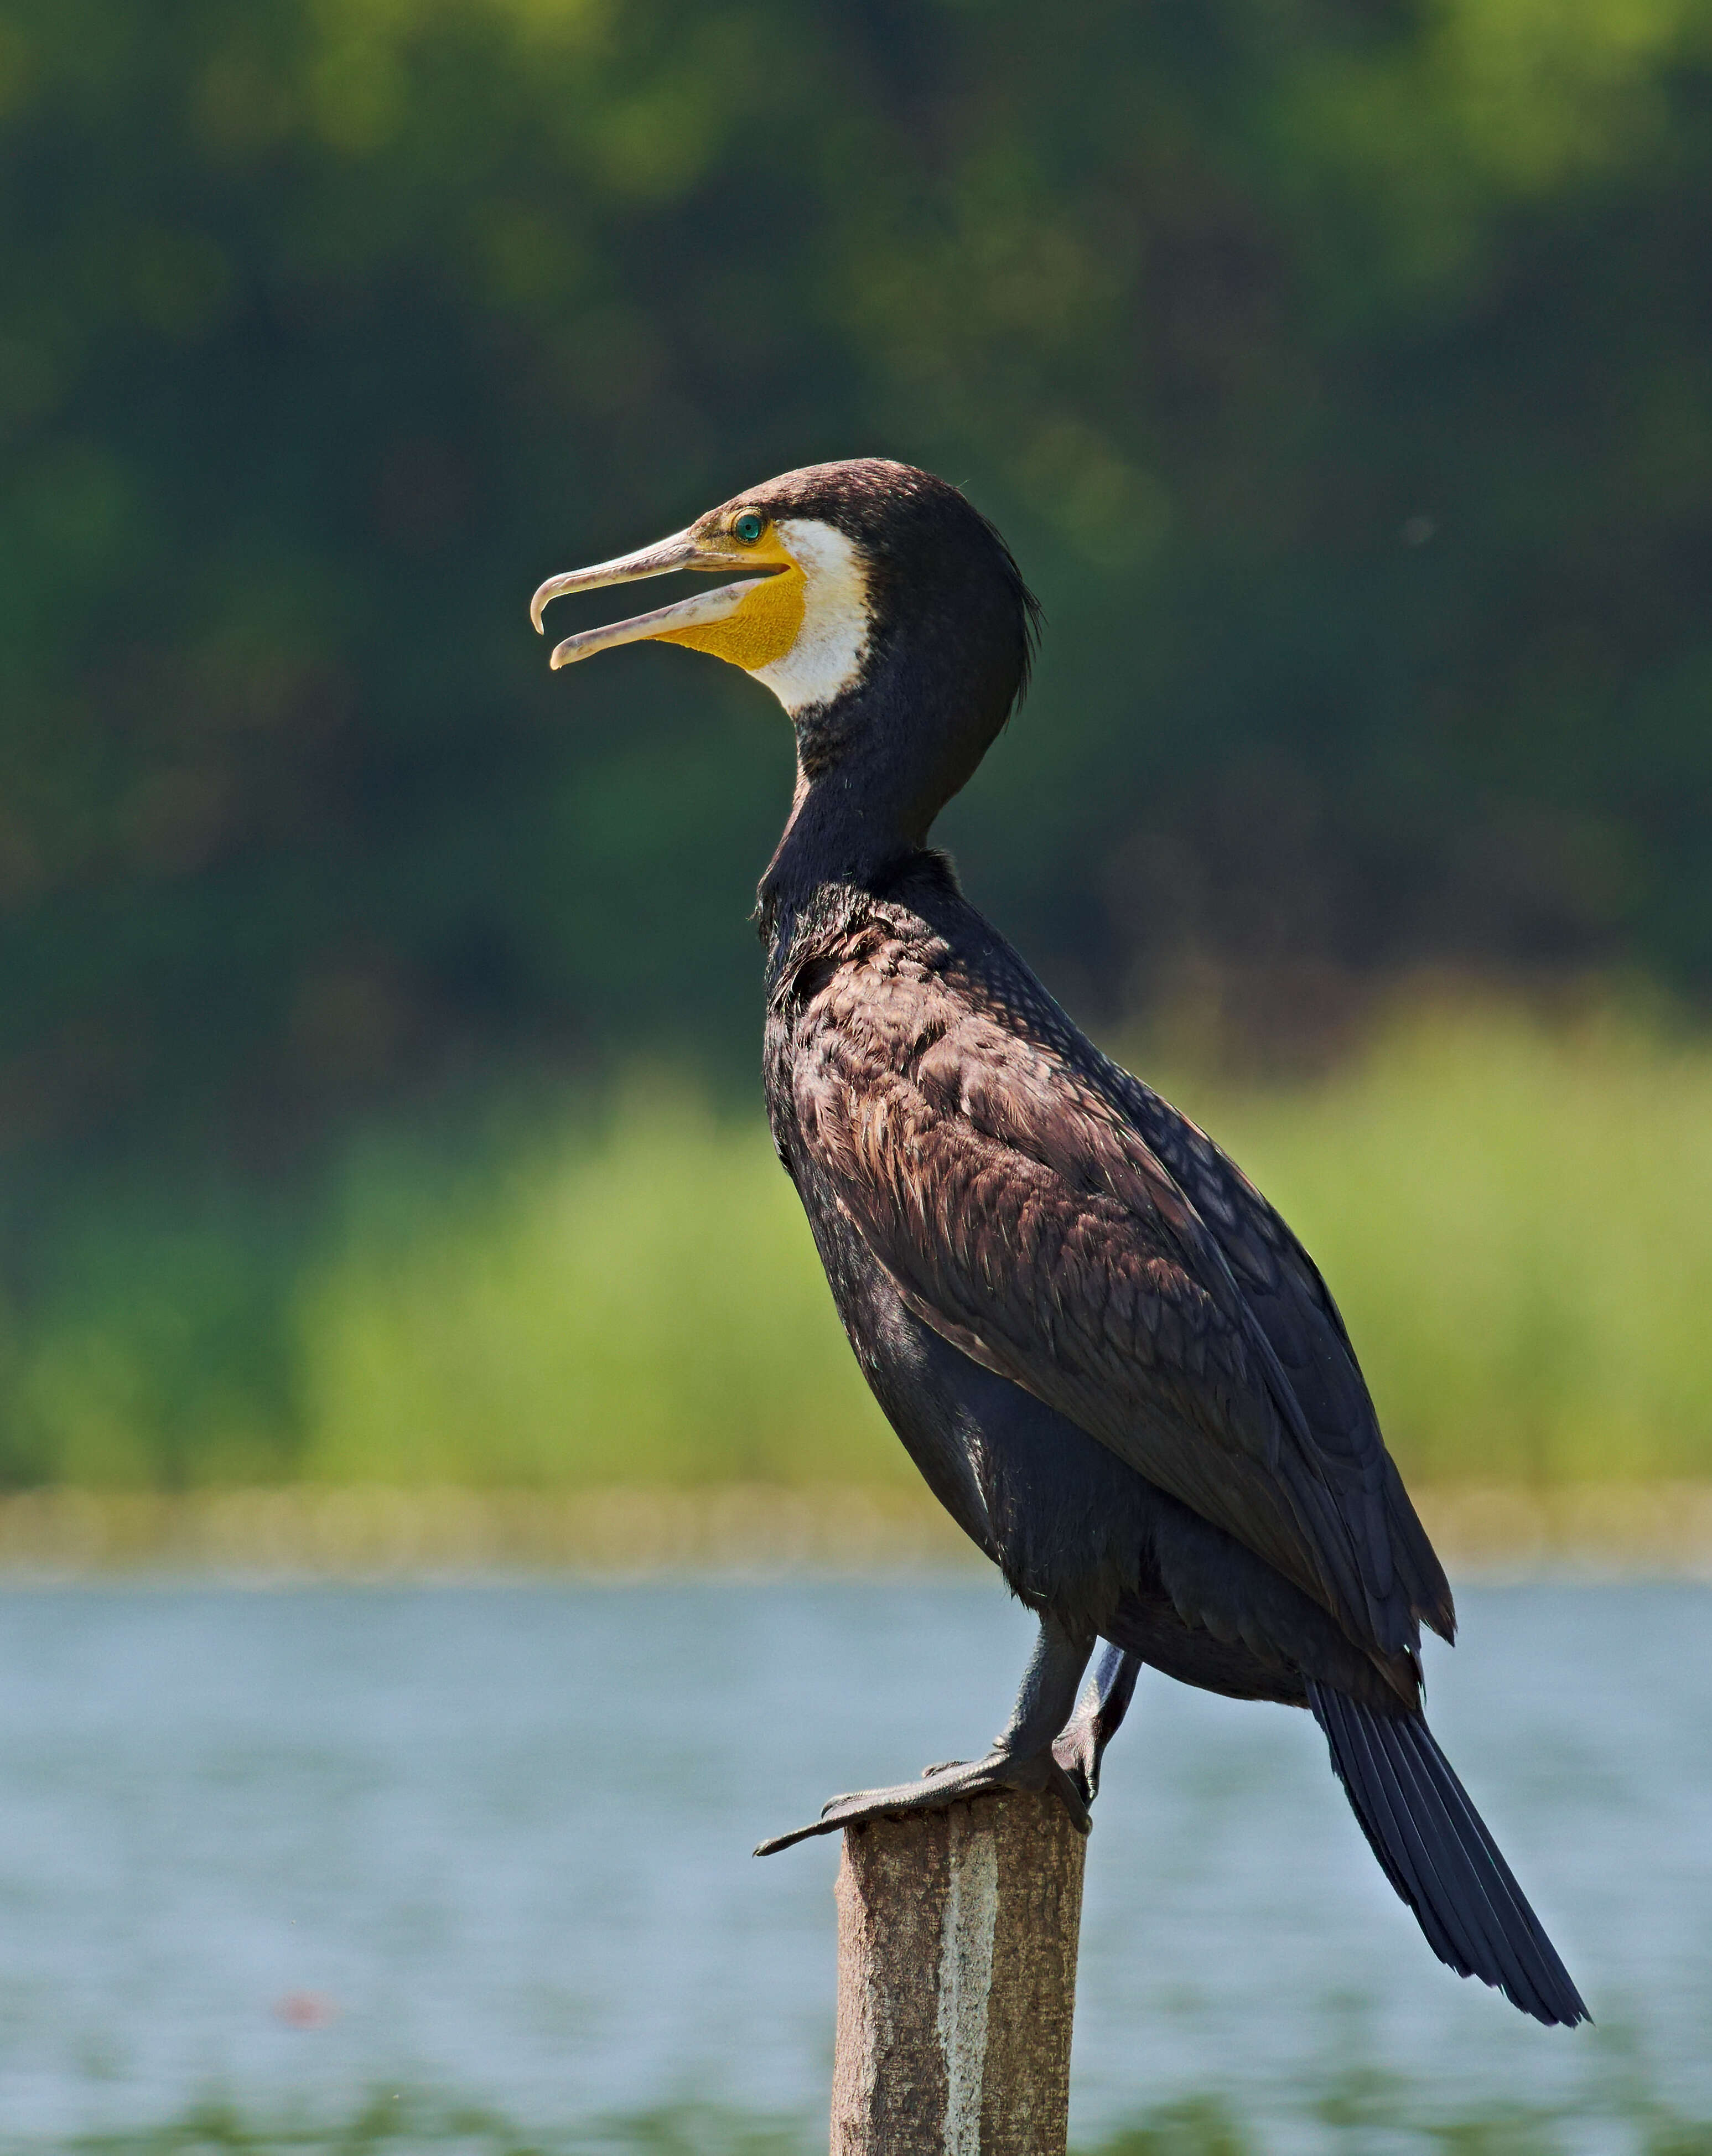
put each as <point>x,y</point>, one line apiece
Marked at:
<point>680,552</point>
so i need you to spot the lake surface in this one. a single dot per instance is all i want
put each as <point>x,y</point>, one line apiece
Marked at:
<point>492,1842</point>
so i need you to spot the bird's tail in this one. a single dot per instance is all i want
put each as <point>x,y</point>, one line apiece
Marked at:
<point>1436,1851</point>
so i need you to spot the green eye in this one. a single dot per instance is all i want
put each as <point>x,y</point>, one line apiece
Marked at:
<point>748,526</point>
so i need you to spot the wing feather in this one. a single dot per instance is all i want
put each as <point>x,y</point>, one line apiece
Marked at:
<point>1082,1244</point>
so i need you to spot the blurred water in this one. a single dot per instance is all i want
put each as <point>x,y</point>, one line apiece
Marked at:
<point>494,1840</point>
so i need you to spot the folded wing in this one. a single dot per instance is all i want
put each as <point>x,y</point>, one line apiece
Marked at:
<point>1016,1200</point>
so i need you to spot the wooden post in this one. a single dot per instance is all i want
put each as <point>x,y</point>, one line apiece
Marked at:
<point>957,1934</point>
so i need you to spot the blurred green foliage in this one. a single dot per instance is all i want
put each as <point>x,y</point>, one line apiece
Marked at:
<point>1517,1220</point>
<point>1338,367</point>
<point>1510,1219</point>
<point>1355,2112</point>
<point>1339,370</point>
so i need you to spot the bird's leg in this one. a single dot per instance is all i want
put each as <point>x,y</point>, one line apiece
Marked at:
<point>1081,1744</point>
<point>1021,1757</point>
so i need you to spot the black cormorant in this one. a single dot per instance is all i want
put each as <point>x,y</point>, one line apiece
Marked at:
<point>1113,1363</point>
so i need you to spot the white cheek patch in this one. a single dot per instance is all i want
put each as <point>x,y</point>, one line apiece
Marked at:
<point>833,642</point>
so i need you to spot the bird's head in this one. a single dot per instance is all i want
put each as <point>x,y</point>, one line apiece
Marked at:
<point>883,611</point>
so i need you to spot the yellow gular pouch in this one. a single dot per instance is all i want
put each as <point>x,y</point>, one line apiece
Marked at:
<point>767,623</point>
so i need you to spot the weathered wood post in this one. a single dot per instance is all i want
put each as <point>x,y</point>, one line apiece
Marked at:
<point>957,1936</point>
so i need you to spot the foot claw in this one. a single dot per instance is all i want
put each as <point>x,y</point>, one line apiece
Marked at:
<point>940,1787</point>
<point>1080,1744</point>
<point>1078,1755</point>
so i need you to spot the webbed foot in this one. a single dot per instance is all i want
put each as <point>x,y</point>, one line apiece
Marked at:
<point>952,1784</point>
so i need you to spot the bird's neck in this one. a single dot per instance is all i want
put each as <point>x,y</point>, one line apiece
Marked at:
<point>842,829</point>
<point>821,887</point>
<point>873,770</point>
<point>834,847</point>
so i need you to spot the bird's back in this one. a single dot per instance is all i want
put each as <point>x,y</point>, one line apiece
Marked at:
<point>1060,1224</point>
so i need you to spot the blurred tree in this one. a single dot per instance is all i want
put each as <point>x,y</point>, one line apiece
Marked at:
<point>1338,367</point>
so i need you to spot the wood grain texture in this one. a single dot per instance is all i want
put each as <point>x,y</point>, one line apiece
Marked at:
<point>957,1939</point>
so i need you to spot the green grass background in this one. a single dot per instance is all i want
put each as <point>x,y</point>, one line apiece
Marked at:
<point>1516,1216</point>
<point>1355,2112</point>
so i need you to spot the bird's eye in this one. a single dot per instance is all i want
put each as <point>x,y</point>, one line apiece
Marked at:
<point>748,526</point>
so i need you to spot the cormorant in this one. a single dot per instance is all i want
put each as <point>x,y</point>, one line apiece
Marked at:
<point>1113,1363</point>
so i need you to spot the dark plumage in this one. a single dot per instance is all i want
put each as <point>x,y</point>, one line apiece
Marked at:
<point>1110,1360</point>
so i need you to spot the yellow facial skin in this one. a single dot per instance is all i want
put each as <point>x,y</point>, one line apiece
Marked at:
<point>793,612</point>
<point>769,619</point>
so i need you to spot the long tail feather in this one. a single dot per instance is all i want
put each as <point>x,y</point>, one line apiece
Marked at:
<point>1434,1848</point>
